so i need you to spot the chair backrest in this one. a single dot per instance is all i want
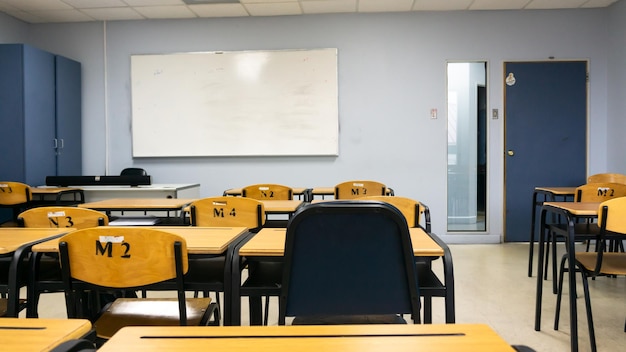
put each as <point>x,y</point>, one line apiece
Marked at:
<point>268,191</point>
<point>227,211</point>
<point>348,258</point>
<point>607,177</point>
<point>14,193</point>
<point>60,217</point>
<point>133,171</point>
<point>611,219</point>
<point>410,208</point>
<point>599,192</point>
<point>357,189</point>
<point>122,257</point>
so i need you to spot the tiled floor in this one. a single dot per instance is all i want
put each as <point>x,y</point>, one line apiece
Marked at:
<point>492,287</point>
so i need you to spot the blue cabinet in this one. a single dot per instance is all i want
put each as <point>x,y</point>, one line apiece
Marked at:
<point>40,115</point>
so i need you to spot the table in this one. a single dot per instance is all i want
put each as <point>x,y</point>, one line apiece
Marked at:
<point>200,241</point>
<point>571,211</point>
<point>40,334</point>
<point>139,204</point>
<point>59,193</point>
<point>549,194</point>
<point>340,338</point>
<point>270,243</point>
<point>16,242</point>
<point>165,190</point>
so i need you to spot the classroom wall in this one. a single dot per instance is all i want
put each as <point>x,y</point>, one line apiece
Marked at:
<point>615,141</point>
<point>12,30</point>
<point>391,74</point>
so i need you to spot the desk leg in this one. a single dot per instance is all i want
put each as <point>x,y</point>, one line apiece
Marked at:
<point>540,271</point>
<point>571,264</point>
<point>532,235</point>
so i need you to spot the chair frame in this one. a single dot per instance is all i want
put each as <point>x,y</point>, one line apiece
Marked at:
<point>15,201</point>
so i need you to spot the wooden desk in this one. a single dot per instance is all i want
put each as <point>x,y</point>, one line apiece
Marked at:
<point>547,194</point>
<point>287,207</point>
<point>97,193</point>
<point>200,241</point>
<point>40,334</point>
<point>61,195</point>
<point>17,243</point>
<point>338,338</point>
<point>571,211</point>
<point>144,205</point>
<point>270,243</point>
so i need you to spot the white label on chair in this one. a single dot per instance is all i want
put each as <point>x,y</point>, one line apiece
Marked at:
<point>56,214</point>
<point>264,188</point>
<point>112,239</point>
<point>219,203</point>
<point>4,185</point>
<point>357,184</point>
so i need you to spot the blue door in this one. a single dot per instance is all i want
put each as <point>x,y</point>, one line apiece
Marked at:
<point>545,111</point>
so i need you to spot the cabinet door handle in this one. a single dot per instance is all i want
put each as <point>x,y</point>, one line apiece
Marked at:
<point>56,143</point>
<point>62,143</point>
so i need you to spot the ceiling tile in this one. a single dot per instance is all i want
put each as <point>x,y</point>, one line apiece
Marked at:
<point>89,4</point>
<point>598,3</point>
<point>62,16</point>
<point>38,5</point>
<point>499,4</point>
<point>219,10</point>
<point>176,11</point>
<point>113,14</point>
<point>328,6</point>
<point>153,2</point>
<point>438,5</point>
<point>385,6</point>
<point>274,9</point>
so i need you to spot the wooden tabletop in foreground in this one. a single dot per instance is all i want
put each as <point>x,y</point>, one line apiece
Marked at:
<point>12,238</point>
<point>336,338</point>
<point>19,334</point>
<point>271,242</point>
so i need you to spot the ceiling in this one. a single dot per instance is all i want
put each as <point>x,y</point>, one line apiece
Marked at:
<point>50,11</point>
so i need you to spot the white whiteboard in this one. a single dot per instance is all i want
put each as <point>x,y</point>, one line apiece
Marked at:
<point>239,103</point>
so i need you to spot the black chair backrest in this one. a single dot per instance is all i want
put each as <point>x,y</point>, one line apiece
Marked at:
<point>133,171</point>
<point>348,258</point>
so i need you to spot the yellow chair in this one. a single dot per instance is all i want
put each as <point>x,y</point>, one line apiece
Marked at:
<point>412,210</point>
<point>267,191</point>
<point>119,258</point>
<point>46,270</point>
<point>612,222</point>
<point>356,189</point>
<point>16,196</point>
<point>607,177</point>
<point>227,212</point>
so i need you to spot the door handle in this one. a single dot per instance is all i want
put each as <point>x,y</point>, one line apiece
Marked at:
<point>510,153</point>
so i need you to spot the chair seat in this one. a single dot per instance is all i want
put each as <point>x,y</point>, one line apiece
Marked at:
<point>150,311</point>
<point>612,263</point>
<point>348,319</point>
<point>590,230</point>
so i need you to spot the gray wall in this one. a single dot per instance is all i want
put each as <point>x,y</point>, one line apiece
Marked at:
<point>391,73</point>
<point>615,141</point>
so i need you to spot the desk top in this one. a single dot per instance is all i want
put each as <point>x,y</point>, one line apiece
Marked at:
<point>576,208</point>
<point>12,238</point>
<point>40,334</point>
<point>557,191</point>
<point>270,242</point>
<point>281,206</point>
<point>138,204</point>
<point>53,190</point>
<point>343,338</point>
<point>200,240</point>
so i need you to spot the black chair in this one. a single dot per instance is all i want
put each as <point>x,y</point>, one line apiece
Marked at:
<point>133,171</point>
<point>349,262</point>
